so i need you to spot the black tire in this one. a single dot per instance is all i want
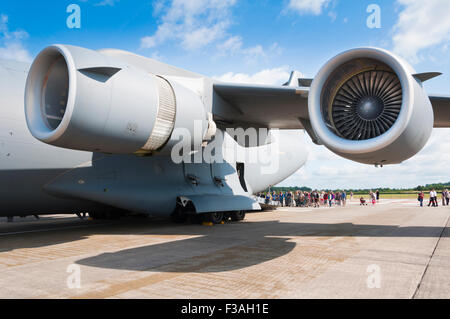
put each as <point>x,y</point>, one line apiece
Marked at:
<point>179,217</point>
<point>215,218</point>
<point>237,216</point>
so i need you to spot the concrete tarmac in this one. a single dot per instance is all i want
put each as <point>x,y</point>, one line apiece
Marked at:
<point>390,250</point>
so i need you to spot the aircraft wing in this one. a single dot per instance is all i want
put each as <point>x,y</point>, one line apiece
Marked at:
<point>260,105</point>
<point>441,108</point>
<point>283,107</point>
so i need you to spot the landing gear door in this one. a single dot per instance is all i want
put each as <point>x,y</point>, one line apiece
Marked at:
<point>240,169</point>
<point>232,177</point>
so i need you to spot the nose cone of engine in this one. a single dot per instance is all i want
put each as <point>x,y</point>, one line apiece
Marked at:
<point>370,107</point>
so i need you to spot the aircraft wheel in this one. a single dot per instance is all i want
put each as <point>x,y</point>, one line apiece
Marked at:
<point>215,218</point>
<point>179,217</point>
<point>237,216</point>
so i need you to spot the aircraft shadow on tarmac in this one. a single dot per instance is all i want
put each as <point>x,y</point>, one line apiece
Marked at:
<point>238,246</point>
<point>215,249</point>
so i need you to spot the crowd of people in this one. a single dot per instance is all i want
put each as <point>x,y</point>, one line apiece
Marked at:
<point>307,199</point>
<point>433,199</point>
<point>330,198</point>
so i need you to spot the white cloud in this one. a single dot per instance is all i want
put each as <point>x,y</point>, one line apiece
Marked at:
<point>14,51</point>
<point>195,23</point>
<point>421,25</point>
<point>269,77</point>
<point>333,15</point>
<point>308,6</point>
<point>327,170</point>
<point>235,46</point>
<point>11,46</point>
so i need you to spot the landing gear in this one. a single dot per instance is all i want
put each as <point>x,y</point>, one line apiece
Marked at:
<point>215,218</point>
<point>179,216</point>
<point>81,215</point>
<point>237,216</point>
<point>185,211</point>
<point>219,217</point>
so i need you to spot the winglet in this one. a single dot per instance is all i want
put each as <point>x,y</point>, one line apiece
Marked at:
<point>423,77</point>
<point>296,79</point>
<point>293,79</point>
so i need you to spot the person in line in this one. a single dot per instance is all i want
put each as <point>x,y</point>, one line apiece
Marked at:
<point>420,198</point>
<point>317,199</point>
<point>378,195</point>
<point>433,199</point>
<point>362,202</point>
<point>344,198</point>
<point>436,198</point>
<point>374,198</point>
<point>444,197</point>
<point>267,198</point>
<point>448,197</point>
<point>302,199</point>
<point>292,199</point>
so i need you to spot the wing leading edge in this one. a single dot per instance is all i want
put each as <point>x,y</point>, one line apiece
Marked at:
<point>260,105</point>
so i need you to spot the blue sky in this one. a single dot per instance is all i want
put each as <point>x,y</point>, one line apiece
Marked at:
<point>288,37</point>
<point>253,41</point>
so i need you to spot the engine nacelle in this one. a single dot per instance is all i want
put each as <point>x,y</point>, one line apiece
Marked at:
<point>365,105</point>
<point>84,100</point>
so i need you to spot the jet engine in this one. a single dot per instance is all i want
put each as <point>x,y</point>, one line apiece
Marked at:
<point>85,100</point>
<point>366,105</point>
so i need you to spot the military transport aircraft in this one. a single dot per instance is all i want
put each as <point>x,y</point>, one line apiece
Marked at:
<point>108,132</point>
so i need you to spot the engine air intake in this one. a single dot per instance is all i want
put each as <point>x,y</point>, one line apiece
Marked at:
<point>367,105</point>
